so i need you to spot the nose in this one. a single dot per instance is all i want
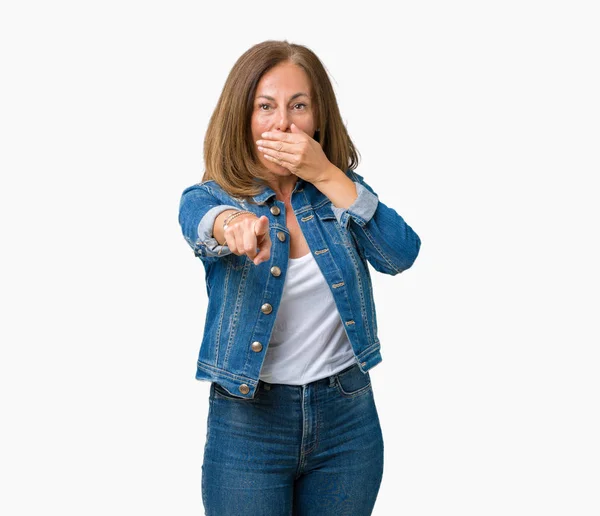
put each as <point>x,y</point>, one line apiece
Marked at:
<point>283,123</point>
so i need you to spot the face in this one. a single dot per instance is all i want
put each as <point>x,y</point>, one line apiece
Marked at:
<point>282,98</point>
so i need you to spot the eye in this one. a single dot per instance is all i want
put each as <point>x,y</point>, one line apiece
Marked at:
<point>263,106</point>
<point>300,104</point>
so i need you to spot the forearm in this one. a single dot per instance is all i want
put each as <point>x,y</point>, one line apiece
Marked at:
<point>218,231</point>
<point>337,187</point>
<point>389,244</point>
<point>387,241</point>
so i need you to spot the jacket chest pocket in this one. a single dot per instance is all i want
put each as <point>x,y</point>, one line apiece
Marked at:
<point>329,223</point>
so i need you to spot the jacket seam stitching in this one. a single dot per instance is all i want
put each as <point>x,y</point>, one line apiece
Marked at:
<point>309,206</point>
<point>379,250</point>
<point>370,350</point>
<point>249,354</point>
<point>346,295</point>
<point>227,374</point>
<point>220,327</point>
<point>363,308</point>
<point>236,311</point>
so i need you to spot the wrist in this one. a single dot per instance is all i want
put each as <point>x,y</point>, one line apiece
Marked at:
<point>236,217</point>
<point>329,175</point>
<point>338,188</point>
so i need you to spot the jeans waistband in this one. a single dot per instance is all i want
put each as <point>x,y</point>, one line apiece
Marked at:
<point>328,379</point>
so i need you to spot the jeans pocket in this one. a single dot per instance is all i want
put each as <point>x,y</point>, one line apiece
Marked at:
<point>353,382</point>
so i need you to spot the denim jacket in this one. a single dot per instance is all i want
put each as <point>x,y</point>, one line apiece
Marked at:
<point>243,298</point>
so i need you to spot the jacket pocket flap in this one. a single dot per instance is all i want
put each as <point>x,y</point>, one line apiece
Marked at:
<point>325,212</point>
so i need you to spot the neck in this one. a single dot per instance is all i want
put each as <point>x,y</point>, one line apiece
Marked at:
<point>283,186</point>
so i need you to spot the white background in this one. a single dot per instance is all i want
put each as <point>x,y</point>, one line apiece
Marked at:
<point>477,121</point>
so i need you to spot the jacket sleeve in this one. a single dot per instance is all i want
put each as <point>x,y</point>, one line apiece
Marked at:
<point>387,242</point>
<point>198,210</point>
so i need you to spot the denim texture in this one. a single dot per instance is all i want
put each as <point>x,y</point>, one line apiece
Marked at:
<point>243,297</point>
<point>310,450</point>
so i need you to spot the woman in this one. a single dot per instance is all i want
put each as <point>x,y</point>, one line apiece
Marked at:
<point>284,228</point>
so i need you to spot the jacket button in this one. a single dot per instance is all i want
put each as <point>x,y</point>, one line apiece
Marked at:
<point>281,236</point>
<point>266,308</point>
<point>275,271</point>
<point>256,346</point>
<point>244,389</point>
<point>275,210</point>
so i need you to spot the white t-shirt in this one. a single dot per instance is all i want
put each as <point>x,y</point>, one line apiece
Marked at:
<point>308,342</point>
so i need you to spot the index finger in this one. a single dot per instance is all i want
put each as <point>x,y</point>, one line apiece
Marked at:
<point>250,242</point>
<point>265,250</point>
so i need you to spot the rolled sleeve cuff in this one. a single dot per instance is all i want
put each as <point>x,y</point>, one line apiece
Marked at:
<point>206,239</point>
<point>361,210</point>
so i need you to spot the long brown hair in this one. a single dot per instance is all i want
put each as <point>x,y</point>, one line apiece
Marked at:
<point>229,155</point>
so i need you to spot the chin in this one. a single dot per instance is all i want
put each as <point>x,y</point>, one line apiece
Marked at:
<point>277,169</point>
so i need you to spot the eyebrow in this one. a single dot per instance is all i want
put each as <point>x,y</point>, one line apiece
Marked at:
<point>294,96</point>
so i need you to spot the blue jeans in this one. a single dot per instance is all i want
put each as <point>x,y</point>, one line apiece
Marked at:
<point>294,450</point>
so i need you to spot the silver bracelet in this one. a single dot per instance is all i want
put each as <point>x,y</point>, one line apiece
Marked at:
<point>233,216</point>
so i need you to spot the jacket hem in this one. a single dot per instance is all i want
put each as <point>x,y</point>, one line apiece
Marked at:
<point>230,382</point>
<point>205,371</point>
<point>369,358</point>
